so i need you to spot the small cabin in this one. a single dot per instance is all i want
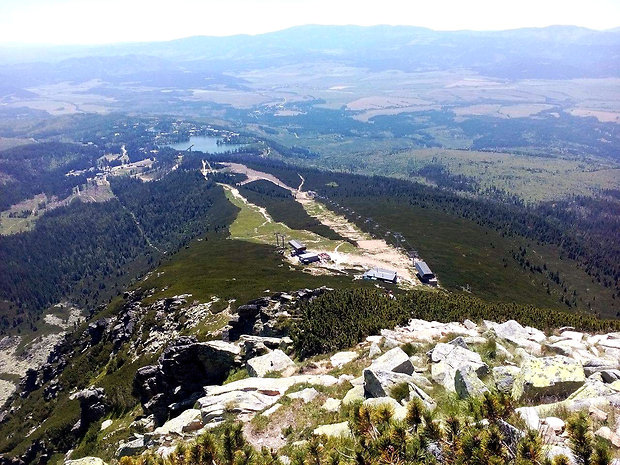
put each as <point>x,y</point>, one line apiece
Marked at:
<point>307,258</point>
<point>381,274</point>
<point>424,272</point>
<point>297,247</point>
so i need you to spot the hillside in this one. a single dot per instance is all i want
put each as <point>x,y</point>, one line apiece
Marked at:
<point>322,245</point>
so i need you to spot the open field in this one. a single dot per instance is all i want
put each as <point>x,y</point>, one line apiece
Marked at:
<point>601,115</point>
<point>531,178</point>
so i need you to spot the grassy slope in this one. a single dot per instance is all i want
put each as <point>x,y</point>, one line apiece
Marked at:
<point>462,253</point>
<point>282,207</point>
<point>232,269</point>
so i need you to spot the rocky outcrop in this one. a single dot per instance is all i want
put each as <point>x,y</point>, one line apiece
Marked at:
<point>379,383</point>
<point>275,361</point>
<point>555,377</point>
<point>526,337</point>
<point>92,407</point>
<point>133,447</point>
<point>188,421</point>
<point>467,384</point>
<point>504,377</point>
<point>246,397</point>
<point>448,358</point>
<point>86,461</point>
<point>182,371</point>
<point>395,360</point>
<point>342,358</point>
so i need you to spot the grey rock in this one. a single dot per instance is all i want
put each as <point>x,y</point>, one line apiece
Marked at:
<point>609,376</point>
<point>504,377</point>
<point>527,338</point>
<point>85,461</point>
<point>187,421</point>
<point>306,395</point>
<point>530,417</point>
<point>353,395</point>
<point>374,350</point>
<point>342,358</point>
<point>447,359</point>
<point>274,361</point>
<point>596,365</point>
<point>467,384</point>
<point>395,360</point>
<point>331,405</point>
<point>459,341</point>
<point>379,383</point>
<point>92,406</point>
<point>548,377</point>
<point>135,447</point>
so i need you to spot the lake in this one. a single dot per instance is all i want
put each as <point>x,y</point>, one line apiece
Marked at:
<point>206,144</point>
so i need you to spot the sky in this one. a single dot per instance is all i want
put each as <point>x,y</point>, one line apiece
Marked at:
<point>110,21</point>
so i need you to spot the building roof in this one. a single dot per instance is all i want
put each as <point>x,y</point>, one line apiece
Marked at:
<point>380,273</point>
<point>296,245</point>
<point>306,256</point>
<point>423,268</point>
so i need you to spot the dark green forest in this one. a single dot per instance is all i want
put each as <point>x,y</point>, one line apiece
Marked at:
<point>40,168</point>
<point>343,318</point>
<point>585,229</point>
<point>89,251</point>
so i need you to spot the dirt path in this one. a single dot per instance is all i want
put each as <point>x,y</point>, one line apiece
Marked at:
<point>254,175</point>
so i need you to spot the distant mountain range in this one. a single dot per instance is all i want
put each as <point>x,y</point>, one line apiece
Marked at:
<point>556,52</point>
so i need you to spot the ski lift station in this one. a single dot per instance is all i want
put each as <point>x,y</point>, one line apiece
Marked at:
<point>297,247</point>
<point>424,272</point>
<point>380,274</point>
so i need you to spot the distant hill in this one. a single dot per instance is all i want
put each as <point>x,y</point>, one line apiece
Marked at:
<point>555,52</point>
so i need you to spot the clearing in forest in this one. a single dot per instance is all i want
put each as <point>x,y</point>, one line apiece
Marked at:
<point>253,223</point>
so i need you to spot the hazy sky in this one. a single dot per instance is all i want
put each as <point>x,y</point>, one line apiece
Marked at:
<point>104,21</point>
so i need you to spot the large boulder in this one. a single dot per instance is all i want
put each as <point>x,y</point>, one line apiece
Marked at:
<point>184,367</point>
<point>504,377</point>
<point>86,461</point>
<point>241,403</point>
<point>448,358</point>
<point>133,447</point>
<point>356,393</point>
<point>92,406</point>
<point>254,346</point>
<point>467,384</point>
<point>342,358</point>
<point>306,395</point>
<point>191,364</point>
<point>275,361</point>
<point>246,397</point>
<point>187,421</point>
<point>527,338</point>
<point>597,364</point>
<point>395,360</point>
<point>379,383</point>
<point>556,377</point>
